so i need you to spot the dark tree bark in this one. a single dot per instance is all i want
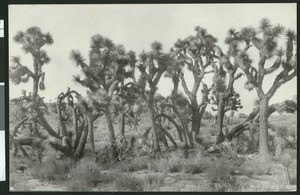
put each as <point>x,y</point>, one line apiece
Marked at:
<point>111,135</point>
<point>220,118</point>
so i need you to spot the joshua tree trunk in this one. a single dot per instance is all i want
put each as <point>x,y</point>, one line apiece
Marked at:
<point>82,142</point>
<point>122,124</point>
<point>251,141</point>
<point>91,130</point>
<point>196,120</point>
<point>263,128</point>
<point>220,118</point>
<point>35,92</point>
<point>156,146</point>
<point>112,138</point>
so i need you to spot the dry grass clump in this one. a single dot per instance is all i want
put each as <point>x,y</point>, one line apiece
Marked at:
<point>172,164</point>
<point>136,164</point>
<point>197,164</point>
<point>127,183</point>
<point>85,175</point>
<point>220,176</point>
<point>52,169</point>
<point>257,166</point>
<point>153,182</point>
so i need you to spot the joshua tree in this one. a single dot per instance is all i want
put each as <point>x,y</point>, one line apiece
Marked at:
<point>197,53</point>
<point>105,71</point>
<point>224,95</point>
<point>32,41</point>
<point>265,40</point>
<point>151,66</point>
<point>83,117</point>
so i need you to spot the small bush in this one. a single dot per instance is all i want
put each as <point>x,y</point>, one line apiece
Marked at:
<point>197,164</point>
<point>171,165</point>
<point>14,178</point>
<point>152,182</point>
<point>292,175</point>
<point>128,183</point>
<point>257,166</point>
<point>220,177</point>
<point>52,169</point>
<point>193,168</point>
<point>86,172</point>
<point>108,177</point>
<point>75,185</point>
<point>138,163</point>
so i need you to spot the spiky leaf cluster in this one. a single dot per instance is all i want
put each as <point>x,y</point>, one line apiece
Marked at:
<point>197,46</point>
<point>232,102</point>
<point>32,40</point>
<point>152,65</point>
<point>107,62</point>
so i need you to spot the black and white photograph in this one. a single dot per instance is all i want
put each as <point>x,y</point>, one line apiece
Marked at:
<point>152,97</point>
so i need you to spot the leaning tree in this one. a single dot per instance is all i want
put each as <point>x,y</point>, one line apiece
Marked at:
<point>266,40</point>
<point>196,53</point>
<point>106,68</point>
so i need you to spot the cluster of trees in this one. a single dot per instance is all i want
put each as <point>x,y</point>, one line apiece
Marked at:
<point>112,86</point>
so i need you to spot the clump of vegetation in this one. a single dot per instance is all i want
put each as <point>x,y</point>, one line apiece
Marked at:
<point>152,182</point>
<point>220,176</point>
<point>75,185</point>
<point>136,164</point>
<point>128,183</point>
<point>193,168</point>
<point>84,175</point>
<point>257,166</point>
<point>196,164</point>
<point>170,165</point>
<point>288,159</point>
<point>52,169</point>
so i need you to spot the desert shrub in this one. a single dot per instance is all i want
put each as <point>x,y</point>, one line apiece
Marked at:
<point>108,177</point>
<point>257,166</point>
<point>102,157</point>
<point>196,164</point>
<point>76,185</point>
<point>14,178</point>
<point>152,182</point>
<point>220,176</point>
<point>288,159</point>
<point>86,172</point>
<point>193,168</point>
<point>292,174</point>
<point>19,187</point>
<point>136,164</point>
<point>128,183</point>
<point>172,164</point>
<point>52,169</point>
<point>152,165</point>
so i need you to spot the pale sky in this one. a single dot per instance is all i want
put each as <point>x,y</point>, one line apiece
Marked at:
<point>136,27</point>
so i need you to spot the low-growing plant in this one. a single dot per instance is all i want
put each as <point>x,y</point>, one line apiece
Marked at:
<point>193,168</point>
<point>128,183</point>
<point>220,176</point>
<point>76,185</point>
<point>257,166</point>
<point>196,164</point>
<point>170,165</point>
<point>52,169</point>
<point>136,164</point>
<point>153,182</point>
<point>86,171</point>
